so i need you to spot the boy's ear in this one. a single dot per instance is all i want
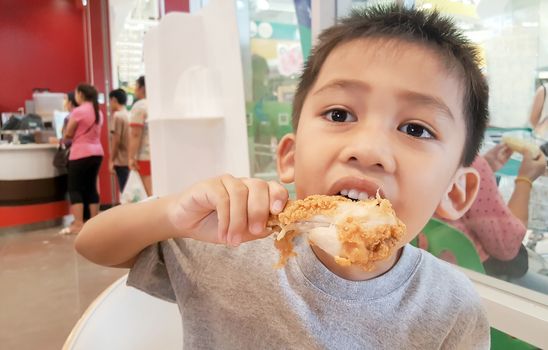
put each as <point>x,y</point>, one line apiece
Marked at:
<point>460,195</point>
<point>285,159</point>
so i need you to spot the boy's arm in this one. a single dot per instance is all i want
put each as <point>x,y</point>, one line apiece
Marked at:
<point>223,210</point>
<point>117,236</point>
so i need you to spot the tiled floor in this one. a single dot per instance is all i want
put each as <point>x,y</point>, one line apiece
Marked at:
<point>45,286</point>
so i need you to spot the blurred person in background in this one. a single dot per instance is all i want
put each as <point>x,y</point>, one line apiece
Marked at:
<point>118,162</point>
<point>69,104</point>
<point>86,155</point>
<point>539,112</point>
<point>139,148</point>
<point>496,228</point>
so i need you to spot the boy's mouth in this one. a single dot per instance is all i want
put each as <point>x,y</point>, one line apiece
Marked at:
<point>355,194</point>
<point>356,189</point>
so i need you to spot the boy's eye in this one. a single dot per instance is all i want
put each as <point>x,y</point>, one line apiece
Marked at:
<point>416,130</point>
<point>339,116</point>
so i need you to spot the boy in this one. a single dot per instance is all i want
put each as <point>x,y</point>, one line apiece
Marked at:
<point>392,99</point>
<point>118,162</point>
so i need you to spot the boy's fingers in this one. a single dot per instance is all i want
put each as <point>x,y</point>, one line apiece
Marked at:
<point>237,192</point>
<point>258,205</point>
<point>219,201</point>
<point>278,197</point>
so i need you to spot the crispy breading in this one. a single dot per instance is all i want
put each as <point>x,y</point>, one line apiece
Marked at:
<point>368,230</point>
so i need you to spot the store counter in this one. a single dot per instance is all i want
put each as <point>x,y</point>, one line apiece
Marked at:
<point>31,189</point>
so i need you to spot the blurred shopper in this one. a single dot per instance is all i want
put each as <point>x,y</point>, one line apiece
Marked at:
<point>84,129</point>
<point>118,162</point>
<point>139,148</point>
<point>498,228</point>
<point>69,104</point>
<point>539,112</point>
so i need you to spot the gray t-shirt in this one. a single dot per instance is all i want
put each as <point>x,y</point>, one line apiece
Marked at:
<point>233,298</point>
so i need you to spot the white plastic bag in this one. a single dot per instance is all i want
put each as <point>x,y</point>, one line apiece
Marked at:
<point>135,190</point>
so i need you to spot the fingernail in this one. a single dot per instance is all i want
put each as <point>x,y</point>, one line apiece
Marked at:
<point>256,229</point>
<point>236,240</point>
<point>277,206</point>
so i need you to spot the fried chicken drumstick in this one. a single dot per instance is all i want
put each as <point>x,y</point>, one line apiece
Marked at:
<point>353,232</point>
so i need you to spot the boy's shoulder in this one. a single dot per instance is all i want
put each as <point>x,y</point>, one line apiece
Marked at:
<point>445,279</point>
<point>121,114</point>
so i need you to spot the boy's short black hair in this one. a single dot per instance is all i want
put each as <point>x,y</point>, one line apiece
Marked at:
<point>119,95</point>
<point>428,28</point>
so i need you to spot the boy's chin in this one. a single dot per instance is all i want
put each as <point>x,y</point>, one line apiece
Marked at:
<point>356,272</point>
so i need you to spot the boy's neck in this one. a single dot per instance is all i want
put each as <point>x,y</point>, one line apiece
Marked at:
<point>356,273</point>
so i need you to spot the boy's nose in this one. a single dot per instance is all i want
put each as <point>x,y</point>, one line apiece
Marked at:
<point>370,148</point>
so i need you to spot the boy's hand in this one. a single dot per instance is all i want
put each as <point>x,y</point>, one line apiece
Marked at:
<point>227,210</point>
<point>532,168</point>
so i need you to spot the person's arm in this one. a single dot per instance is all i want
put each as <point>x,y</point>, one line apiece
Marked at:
<point>137,117</point>
<point>221,210</point>
<point>70,129</point>
<point>116,237</point>
<point>498,156</point>
<point>536,108</point>
<point>134,142</point>
<point>530,169</point>
<point>493,223</point>
<point>115,144</point>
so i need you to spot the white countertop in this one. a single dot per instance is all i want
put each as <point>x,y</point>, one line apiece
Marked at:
<point>30,161</point>
<point>24,147</point>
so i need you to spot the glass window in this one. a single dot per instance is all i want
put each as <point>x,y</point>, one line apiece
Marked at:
<point>279,39</point>
<point>129,21</point>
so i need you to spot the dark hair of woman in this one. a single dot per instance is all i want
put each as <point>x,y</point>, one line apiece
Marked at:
<point>89,93</point>
<point>141,81</point>
<point>72,99</point>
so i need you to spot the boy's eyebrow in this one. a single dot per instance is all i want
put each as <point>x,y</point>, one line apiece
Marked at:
<point>422,99</point>
<point>343,84</point>
<point>406,95</point>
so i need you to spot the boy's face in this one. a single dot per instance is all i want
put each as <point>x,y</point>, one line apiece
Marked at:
<point>113,104</point>
<point>385,115</point>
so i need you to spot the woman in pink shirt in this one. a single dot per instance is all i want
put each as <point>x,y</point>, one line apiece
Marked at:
<point>86,155</point>
<point>496,228</point>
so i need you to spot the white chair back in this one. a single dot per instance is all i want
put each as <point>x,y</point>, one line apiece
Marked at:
<point>124,318</point>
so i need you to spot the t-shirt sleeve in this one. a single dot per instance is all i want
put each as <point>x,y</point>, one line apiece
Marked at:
<point>150,274</point>
<point>477,333</point>
<point>137,116</point>
<point>471,327</point>
<point>76,115</point>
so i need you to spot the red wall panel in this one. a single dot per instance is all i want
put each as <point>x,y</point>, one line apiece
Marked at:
<point>97,29</point>
<point>41,45</point>
<point>176,5</point>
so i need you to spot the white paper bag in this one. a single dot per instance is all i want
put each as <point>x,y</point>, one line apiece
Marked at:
<point>135,190</point>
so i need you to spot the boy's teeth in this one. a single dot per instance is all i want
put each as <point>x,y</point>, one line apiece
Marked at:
<point>353,194</point>
<point>363,196</point>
